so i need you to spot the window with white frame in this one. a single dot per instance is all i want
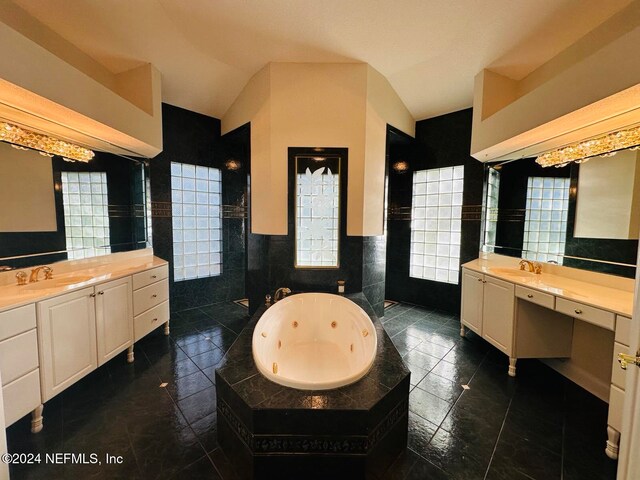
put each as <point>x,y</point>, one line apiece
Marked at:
<point>86,214</point>
<point>196,197</point>
<point>317,212</point>
<point>545,224</point>
<point>436,224</point>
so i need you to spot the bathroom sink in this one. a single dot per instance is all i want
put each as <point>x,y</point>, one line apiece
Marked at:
<point>512,272</point>
<point>63,281</point>
<point>58,282</point>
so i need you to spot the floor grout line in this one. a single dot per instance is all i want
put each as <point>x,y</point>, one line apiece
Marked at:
<point>495,446</point>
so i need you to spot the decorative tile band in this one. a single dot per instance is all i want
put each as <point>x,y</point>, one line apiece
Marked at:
<point>290,444</point>
<point>163,210</point>
<point>469,213</point>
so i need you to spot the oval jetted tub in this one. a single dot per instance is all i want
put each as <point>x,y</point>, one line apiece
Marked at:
<point>314,341</point>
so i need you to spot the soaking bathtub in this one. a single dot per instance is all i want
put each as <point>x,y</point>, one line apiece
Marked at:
<point>314,341</point>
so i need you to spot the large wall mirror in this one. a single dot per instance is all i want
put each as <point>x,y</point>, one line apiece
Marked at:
<point>52,209</point>
<point>583,215</point>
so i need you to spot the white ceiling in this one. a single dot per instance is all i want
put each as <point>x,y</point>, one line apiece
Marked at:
<point>430,50</point>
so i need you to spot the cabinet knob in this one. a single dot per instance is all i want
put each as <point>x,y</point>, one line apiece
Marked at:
<point>578,311</point>
<point>529,295</point>
<point>92,295</point>
<point>100,293</point>
<point>153,276</point>
<point>154,295</point>
<point>479,279</point>
<point>484,281</point>
<point>154,320</point>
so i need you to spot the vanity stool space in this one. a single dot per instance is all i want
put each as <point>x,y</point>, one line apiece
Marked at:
<point>576,322</point>
<point>56,331</point>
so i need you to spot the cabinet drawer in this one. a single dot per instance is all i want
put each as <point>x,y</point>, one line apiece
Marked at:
<point>18,355</point>
<point>148,277</point>
<point>21,396</point>
<point>616,403</point>
<point>150,296</point>
<point>534,296</point>
<point>623,329</point>
<point>598,317</point>
<point>150,320</point>
<point>18,320</point>
<point>618,375</point>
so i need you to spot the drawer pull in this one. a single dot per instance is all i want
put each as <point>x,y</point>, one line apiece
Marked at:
<point>154,276</point>
<point>578,311</point>
<point>92,295</point>
<point>101,293</point>
<point>154,320</point>
<point>479,279</point>
<point>529,295</point>
<point>154,296</point>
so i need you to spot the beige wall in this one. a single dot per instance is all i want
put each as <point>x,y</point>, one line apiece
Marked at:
<point>325,105</point>
<point>27,202</point>
<point>608,197</point>
<point>591,88</point>
<point>49,94</point>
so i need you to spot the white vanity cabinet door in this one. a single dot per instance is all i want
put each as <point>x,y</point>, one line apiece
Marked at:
<point>472,296</point>
<point>498,313</point>
<point>66,339</point>
<point>114,318</point>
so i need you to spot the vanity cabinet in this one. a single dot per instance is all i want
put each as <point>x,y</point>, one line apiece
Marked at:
<point>488,309</point>
<point>618,384</point>
<point>19,365</point>
<point>114,318</point>
<point>82,330</point>
<point>151,301</point>
<point>66,340</point>
<point>472,300</point>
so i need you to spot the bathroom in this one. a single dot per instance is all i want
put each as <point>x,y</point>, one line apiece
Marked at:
<point>249,240</point>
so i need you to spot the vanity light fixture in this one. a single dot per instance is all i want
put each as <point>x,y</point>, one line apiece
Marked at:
<point>605,146</point>
<point>23,139</point>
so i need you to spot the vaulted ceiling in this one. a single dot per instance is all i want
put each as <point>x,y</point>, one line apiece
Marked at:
<point>429,50</point>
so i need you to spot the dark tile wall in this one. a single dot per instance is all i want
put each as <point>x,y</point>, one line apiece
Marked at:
<point>374,266</point>
<point>124,218</point>
<point>443,141</point>
<point>510,228</point>
<point>195,139</point>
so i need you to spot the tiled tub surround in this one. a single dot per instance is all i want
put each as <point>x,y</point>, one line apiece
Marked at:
<point>54,332</point>
<point>566,316</point>
<point>270,431</point>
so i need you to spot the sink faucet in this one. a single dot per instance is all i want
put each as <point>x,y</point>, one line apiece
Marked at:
<point>48,273</point>
<point>280,294</point>
<point>533,267</point>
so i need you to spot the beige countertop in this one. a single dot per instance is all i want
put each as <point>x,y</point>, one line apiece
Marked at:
<point>12,296</point>
<point>612,299</point>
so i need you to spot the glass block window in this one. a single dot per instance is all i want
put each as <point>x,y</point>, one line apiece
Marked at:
<point>196,198</point>
<point>317,212</point>
<point>545,224</point>
<point>86,214</point>
<point>436,224</point>
<point>147,200</point>
<point>491,217</point>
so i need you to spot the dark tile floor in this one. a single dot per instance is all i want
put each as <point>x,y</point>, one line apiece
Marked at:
<point>468,419</point>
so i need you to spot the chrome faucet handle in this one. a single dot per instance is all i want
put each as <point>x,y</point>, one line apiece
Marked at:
<point>48,272</point>
<point>537,268</point>
<point>21,277</point>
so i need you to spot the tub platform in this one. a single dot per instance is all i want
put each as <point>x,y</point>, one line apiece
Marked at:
<point>271,431</point>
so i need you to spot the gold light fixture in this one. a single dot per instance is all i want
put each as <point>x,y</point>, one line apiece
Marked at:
<point>605,145</point>
<point>49,146</point>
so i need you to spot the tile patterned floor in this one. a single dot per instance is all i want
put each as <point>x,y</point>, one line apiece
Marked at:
<point>537,426</point>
